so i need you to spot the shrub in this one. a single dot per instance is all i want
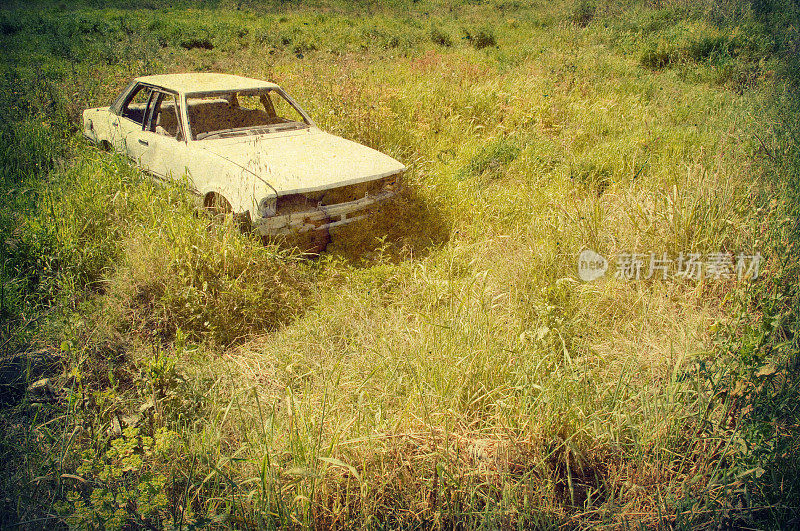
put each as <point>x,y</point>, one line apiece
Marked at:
<point>583,12</point>
<point>196,42</point>
<point>130,488</point>
<point>440,37</point>
<point>484,38</point>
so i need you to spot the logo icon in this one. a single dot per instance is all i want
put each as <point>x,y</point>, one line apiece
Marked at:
<point>591,265</point>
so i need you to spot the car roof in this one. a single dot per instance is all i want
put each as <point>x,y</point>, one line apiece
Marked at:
<point>200,82</point>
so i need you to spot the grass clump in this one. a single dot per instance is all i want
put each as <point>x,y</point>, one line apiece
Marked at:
<point>481,38</point>
<point>659,54</point>
<point>440,37</point>
<point>64,235</point>
<point>207,280</point>
<point>493,159</point>
<point>583,12</point>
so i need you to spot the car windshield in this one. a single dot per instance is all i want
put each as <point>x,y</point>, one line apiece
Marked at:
<point>224,115</point>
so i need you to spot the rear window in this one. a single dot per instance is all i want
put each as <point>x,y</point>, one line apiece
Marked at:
<point>165,119</point>
<point>136,106</point>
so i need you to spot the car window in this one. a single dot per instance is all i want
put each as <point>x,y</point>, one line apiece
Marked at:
<point>165,118</point>
<point>281,109</point>
<point>223,115</point>
<point>120,100</point>
<point>137,105</point>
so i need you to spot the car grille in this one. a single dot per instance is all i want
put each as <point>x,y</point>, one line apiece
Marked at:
<point>290,204</point>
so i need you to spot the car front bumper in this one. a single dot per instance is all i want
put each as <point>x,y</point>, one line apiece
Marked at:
<point>321,218</point>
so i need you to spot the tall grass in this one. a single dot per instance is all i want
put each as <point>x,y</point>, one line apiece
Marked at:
<point>442,365</point>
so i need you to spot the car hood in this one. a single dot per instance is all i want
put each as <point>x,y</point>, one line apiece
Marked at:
<point>305,160</point>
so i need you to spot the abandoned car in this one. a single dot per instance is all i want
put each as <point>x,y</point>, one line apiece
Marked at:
<point>247,148</point>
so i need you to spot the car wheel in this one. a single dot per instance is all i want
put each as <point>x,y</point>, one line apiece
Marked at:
<point>220,208</point>
<point>216,205</point>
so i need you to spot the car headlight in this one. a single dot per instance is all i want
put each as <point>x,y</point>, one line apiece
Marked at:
<point>268,206</point>
<point>391,184</point>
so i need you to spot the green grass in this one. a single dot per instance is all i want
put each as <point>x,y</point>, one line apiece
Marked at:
<point>441,364</point>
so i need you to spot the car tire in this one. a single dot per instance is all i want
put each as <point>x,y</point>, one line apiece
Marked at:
<point>216,205</point>
<point>220,208</point>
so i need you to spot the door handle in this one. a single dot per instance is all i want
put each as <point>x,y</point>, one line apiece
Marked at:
<point>143,142</point>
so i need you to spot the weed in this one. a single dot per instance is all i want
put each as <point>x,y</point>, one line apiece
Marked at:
<point>658,54</point>
<point>481,38</point>
<point>493,158</point>
<point>583,12</point>
<point>440,37</point>
<point>210,282</point>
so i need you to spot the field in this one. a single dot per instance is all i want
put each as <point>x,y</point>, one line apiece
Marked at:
<point>441,364</point>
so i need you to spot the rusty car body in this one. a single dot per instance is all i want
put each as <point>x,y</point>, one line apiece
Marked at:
<point>246,147</point>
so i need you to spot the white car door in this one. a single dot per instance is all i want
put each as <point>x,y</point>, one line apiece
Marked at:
<point>149,131</point>
<point>160,145</point>
<point>130,122</point>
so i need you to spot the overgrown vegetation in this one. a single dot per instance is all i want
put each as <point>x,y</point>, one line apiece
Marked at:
<point>442,364</point>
